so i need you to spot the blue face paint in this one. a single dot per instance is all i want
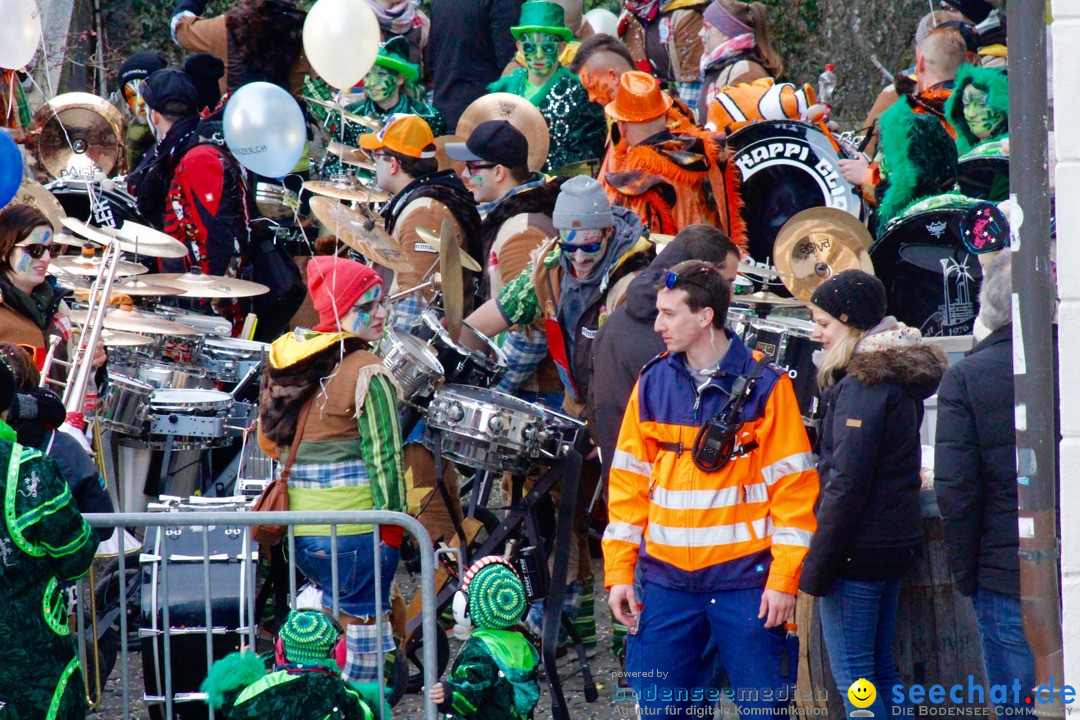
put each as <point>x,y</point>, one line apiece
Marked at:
<point>23,265</point>
<point>365,309</point>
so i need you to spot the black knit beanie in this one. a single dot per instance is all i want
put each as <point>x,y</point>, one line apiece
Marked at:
<point>853,297</point>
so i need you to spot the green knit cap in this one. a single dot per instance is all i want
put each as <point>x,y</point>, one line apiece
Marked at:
<point>496,597</point>
<point>542,16</point>
<point>308,636</point>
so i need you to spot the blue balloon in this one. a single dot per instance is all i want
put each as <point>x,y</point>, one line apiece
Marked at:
<point>264,129</point>
<point>11,168</point>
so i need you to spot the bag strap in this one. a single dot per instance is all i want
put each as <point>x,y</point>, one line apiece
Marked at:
<point>300,423</point>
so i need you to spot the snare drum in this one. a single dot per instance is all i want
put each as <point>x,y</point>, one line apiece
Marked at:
<point>413,364</point>
<point>230,360</point>
<point>489,430</point>
<point>462,365</point>
<point>787,341</point>
<point>276,202</point>
<point>190,418</point>
<point>125,405</point>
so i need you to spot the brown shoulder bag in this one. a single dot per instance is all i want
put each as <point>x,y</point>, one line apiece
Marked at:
<point>275,496</point>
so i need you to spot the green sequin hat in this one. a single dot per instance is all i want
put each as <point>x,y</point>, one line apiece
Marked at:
<point>394,54</point>
<point>496,597</point>
<point>545,17</point>
<point>308,636</point>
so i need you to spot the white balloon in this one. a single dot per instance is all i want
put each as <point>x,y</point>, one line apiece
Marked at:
<point>264,129</point>
<point>341,40</point>
<point>20,33</point>
<point>603,21</point>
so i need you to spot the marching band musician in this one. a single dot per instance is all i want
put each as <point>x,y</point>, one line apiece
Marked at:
<point>349,453</point>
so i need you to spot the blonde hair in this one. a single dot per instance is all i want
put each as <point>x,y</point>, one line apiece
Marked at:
<point>943,51</point>
<point>838,356</point>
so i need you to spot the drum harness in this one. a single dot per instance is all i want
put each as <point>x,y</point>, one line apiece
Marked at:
<point>715,443</point>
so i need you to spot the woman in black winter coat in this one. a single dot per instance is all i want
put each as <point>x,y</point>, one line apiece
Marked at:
<point>874,376</point>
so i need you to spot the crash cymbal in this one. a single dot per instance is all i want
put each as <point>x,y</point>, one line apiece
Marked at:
<point>144,240</point>
<point>350,155</point>
<point>353,192</point>
<point>516,110</point>
<point>129,320</point>
<point>75,133</point>
<point>453,292</point>
<point>33,193</point>
<point>445,161</point>
<point>432,238</point>
<point>370,123</point>
<point>196,284</point>
<point>91,266</point>
<point>765,298</point>
<point>138,287</point>
<point>363,234</point>
<point>117,338</point>
<point>815,244</point>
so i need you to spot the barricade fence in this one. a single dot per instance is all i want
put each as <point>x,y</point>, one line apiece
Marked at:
<point>198,576</point>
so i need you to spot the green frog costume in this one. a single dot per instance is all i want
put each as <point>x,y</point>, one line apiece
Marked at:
<point>43,541</point>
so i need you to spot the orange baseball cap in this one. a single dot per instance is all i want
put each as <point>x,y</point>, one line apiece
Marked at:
<point>638,99</point>
<point>408,135</point>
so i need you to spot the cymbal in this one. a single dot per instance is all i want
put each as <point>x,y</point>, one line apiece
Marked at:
<point>765,298</point>
<point>660,239</point>
<point>76,133</point>
<point>138,287</point>
<point>91,266</point>
<point>369,122</point>
<point>129,320</point>
<point>196,284</point>
<point>363,234</point>
<point>353,192</point>
<point>144,240</point>
<point>350,155</point>
<point>815,244</point>
<point>516,110</point>
<point>433,239</point>
<point>760,271</point>
<point>453,292</point>
<point>445,161</point>
<point>118,338</point>
<point>33,193</point>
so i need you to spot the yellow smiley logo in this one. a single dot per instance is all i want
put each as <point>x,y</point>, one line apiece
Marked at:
<point>862,693</point>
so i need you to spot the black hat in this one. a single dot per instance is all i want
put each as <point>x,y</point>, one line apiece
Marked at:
<point>139,66</point>
<point>170,91</point>
<point>495,141</point>
<point>974,10</point>
<point>205,70</point>
<point>853,297</point>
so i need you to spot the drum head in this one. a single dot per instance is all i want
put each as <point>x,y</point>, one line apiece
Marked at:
<point>786,167</point>
<point>931,281</point>
<point>111,207</point>
<point>986,178</point>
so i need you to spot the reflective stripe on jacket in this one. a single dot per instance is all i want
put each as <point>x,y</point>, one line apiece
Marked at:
<point>748,524</point>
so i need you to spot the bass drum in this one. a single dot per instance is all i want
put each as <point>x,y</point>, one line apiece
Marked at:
<point>111,206</point>
<point>932,282</point>
<point>785,167</point>
<point>984,176</point>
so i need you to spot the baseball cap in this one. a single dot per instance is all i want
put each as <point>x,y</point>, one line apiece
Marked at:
<point>407,135</point>
<point>495,141</point>
<point>170,91</point>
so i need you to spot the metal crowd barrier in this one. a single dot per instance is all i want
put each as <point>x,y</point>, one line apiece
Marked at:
<point>240,522</point>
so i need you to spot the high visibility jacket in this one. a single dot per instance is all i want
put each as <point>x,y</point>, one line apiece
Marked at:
<point>748,524</point>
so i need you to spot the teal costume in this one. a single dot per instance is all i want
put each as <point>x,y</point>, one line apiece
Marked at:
<point>576,125</point>
<point>43,541</point>
<point>493,678</point>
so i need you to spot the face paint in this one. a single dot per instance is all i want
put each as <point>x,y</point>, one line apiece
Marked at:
<point>365,319</point>
<point>541,52</point>
<point>381,83</point>
<point>980,119</point>
<point>135,103</point>
<point>22,265</point>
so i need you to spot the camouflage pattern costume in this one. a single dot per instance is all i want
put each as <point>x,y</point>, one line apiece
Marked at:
<point>43,541</point>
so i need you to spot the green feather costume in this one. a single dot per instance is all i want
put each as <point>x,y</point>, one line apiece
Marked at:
<point>995,83</point>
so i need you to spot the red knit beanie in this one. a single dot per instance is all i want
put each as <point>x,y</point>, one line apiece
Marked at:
<point>335,284</point>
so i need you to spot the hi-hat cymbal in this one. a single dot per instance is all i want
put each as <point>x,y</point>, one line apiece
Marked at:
<point>369,122</point>
<point>363,234</point>
<point>350,155</point>
<point>516,110</point>
<point>432,238</point>
<point>77,133</point>
<point>91,266</point>
<point>144,240</point>
<point>353,192</point>
<point>127,319</point>
<point>118,338</point>
<point>760,271</point>
<point>765,298</point>
<point>198,285</point>
<point>815,244</point>
<point>33,193</point>
<point>453,292</point>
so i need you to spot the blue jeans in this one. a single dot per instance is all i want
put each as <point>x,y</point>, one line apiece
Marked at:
<point>1006,654</point>
<point>356,570</point>
<point>858,621</point>
<point>664,662</point>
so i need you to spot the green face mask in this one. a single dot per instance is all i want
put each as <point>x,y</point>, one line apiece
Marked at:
<point>980,119</point>
<point>380,83</point>
<point>541,52</point>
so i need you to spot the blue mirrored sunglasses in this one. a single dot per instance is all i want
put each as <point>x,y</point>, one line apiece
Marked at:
<point>587,248</point>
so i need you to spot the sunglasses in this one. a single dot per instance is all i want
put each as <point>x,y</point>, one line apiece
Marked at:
<point>672,279</point>
<point>547,47</point>
<point>475,167</point>
<point>36,250</point>
<point>569,247</point>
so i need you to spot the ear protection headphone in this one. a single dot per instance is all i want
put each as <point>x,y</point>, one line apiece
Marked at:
<point>462,615</point>
<point>338,652</point>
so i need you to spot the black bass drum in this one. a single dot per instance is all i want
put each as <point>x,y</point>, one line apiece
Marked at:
<point>785,167</point>
<point>111,205</point>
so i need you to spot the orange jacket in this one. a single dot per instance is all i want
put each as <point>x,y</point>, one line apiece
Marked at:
<point>748,524</point>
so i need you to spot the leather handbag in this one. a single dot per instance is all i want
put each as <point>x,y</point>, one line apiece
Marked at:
<point>275,496</point>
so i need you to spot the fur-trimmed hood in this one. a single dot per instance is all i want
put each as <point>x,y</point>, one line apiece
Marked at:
<point>995,83</point>
<point>917,368</point>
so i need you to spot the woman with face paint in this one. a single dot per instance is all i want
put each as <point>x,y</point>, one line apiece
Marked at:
<point>349,453</point>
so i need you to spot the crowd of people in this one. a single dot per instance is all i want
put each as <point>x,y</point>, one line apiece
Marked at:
<point>608,269</point>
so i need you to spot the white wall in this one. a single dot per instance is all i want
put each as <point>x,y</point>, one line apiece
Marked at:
<point>1066,75</point>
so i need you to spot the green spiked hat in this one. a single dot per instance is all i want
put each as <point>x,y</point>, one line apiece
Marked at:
<point>394,54</point>
<point>539,16</point>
